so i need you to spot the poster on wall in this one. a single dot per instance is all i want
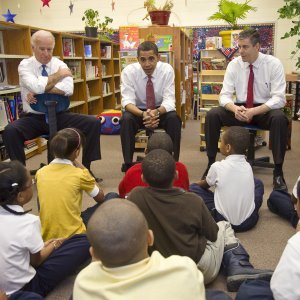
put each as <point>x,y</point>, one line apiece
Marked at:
<point>200,33</point>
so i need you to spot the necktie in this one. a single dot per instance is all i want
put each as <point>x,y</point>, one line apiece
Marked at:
<point>150,97</point>
<point>44,71</point>
<point>250,100</point>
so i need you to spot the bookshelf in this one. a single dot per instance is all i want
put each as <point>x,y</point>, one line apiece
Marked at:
<point>212,70</point>
<point>83,55</point>
<point>182,53</point>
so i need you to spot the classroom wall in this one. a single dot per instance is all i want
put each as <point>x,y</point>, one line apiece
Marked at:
<point>186,13</point>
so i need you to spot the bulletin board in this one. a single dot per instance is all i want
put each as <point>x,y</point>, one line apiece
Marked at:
<point>198,35</point>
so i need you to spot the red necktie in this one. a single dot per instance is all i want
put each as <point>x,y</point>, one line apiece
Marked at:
<point>150,97</point>
<point>250,100</point>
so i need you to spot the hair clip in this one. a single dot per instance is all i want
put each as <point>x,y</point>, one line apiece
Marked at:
<point>14,184</point>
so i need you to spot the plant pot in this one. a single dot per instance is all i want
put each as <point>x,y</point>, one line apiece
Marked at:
<point>226,38</point>
<point>91,31</point>
<point>160,17</point>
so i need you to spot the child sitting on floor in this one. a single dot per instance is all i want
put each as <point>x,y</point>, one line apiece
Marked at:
<point>238,195</point>
<point>122,268</point>
<point>133,176</point>
<point>60,185</point>
<point>29,267</point>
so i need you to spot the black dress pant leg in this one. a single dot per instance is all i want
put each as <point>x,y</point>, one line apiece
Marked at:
<point>215,119</point>
<point>171,123</point>
<point>277,123</point>
<point>27,127</point>
<point>129,127</point>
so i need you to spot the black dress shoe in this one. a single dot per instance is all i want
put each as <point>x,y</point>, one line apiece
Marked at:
<point>279,183</point>
<point>33,172</point>
<point>126,166</point>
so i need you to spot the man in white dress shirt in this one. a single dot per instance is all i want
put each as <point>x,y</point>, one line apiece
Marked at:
<point>268,98</point>
<point>135,100</point>
<point>43,73</point>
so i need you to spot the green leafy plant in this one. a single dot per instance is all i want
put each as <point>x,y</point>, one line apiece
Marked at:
<point>151,6</point>
<point>92,19</point>
<point>291,11</point>
<point>231,12</point>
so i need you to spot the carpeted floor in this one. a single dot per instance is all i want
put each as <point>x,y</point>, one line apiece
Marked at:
<point>264,243</point>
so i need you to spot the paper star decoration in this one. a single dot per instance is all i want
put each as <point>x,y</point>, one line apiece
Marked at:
<point>9,17</point>
<point>71,7</point>
<point>113,5</point>
<point>46,2</point>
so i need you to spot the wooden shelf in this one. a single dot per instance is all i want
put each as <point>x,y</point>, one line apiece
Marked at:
<point>211,97</point>
<point>213,72</point>
<point>83,85</point>
<point>106,95</point>
<point>76,103</point>
<point>93,98</point>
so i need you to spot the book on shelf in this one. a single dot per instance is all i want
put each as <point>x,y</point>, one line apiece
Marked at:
<point>216,88</point>
<point>30,144</point>
<point>105,87</point>
<point>206,89</point>
<point>88,51</point>
<point>68,47</point>
<point>3,76</point>
<point>218,64</point>
<point>3,116</point>
<point>167,57</point>
<point>75,67</point>
<point>106,52</point>
<point>164,42</point>
<point>127,58</point>
<point>1,43</point>
<point>129,38</point>
<point>234,38</point>
<point>206,64</point>
<point>90,70</point>
<point>213,42</point>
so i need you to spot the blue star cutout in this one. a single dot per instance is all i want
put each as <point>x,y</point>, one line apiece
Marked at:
<point>71,7</point>
<point>9,16</point>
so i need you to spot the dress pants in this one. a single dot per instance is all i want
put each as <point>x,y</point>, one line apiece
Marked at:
<point>30,126</point>
<point>274,120</point>
<point>130,124</point>
<point>60,264</point>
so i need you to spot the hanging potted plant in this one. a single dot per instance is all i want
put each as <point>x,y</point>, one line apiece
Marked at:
<point>231,12</point>
<point>158,15</point>
<point>91,19</point>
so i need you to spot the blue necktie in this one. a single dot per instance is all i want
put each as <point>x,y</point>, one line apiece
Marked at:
<point>44,71</point>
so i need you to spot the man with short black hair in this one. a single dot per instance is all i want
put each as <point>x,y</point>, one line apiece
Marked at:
<point>258,80</point>
<point>148,100</point>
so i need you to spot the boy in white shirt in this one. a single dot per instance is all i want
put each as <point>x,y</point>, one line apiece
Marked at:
<point>238,195</point>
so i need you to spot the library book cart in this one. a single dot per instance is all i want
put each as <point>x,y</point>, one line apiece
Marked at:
<point>94,65</point>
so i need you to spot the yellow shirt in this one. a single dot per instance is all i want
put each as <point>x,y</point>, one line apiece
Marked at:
<point>60,187</point>
<point>156,277</point>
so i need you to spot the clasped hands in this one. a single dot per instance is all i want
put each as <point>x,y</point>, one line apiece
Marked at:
<point>243,114</point>
<point>151,118</point>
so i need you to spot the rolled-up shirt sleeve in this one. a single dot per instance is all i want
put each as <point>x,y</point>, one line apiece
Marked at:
<point>66,85</point>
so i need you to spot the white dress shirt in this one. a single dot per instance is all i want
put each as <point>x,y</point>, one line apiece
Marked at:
<point>31,79</point>
<point>133,86</point>
<point>269,82</point>
<point>286,277</point>
<point>233,180</point>
<point>20,235</point>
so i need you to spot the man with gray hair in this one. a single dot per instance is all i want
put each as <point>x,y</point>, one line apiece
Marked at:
<point>39,74</point>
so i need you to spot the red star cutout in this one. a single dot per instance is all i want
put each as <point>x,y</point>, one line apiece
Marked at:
<point>46,2</point>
